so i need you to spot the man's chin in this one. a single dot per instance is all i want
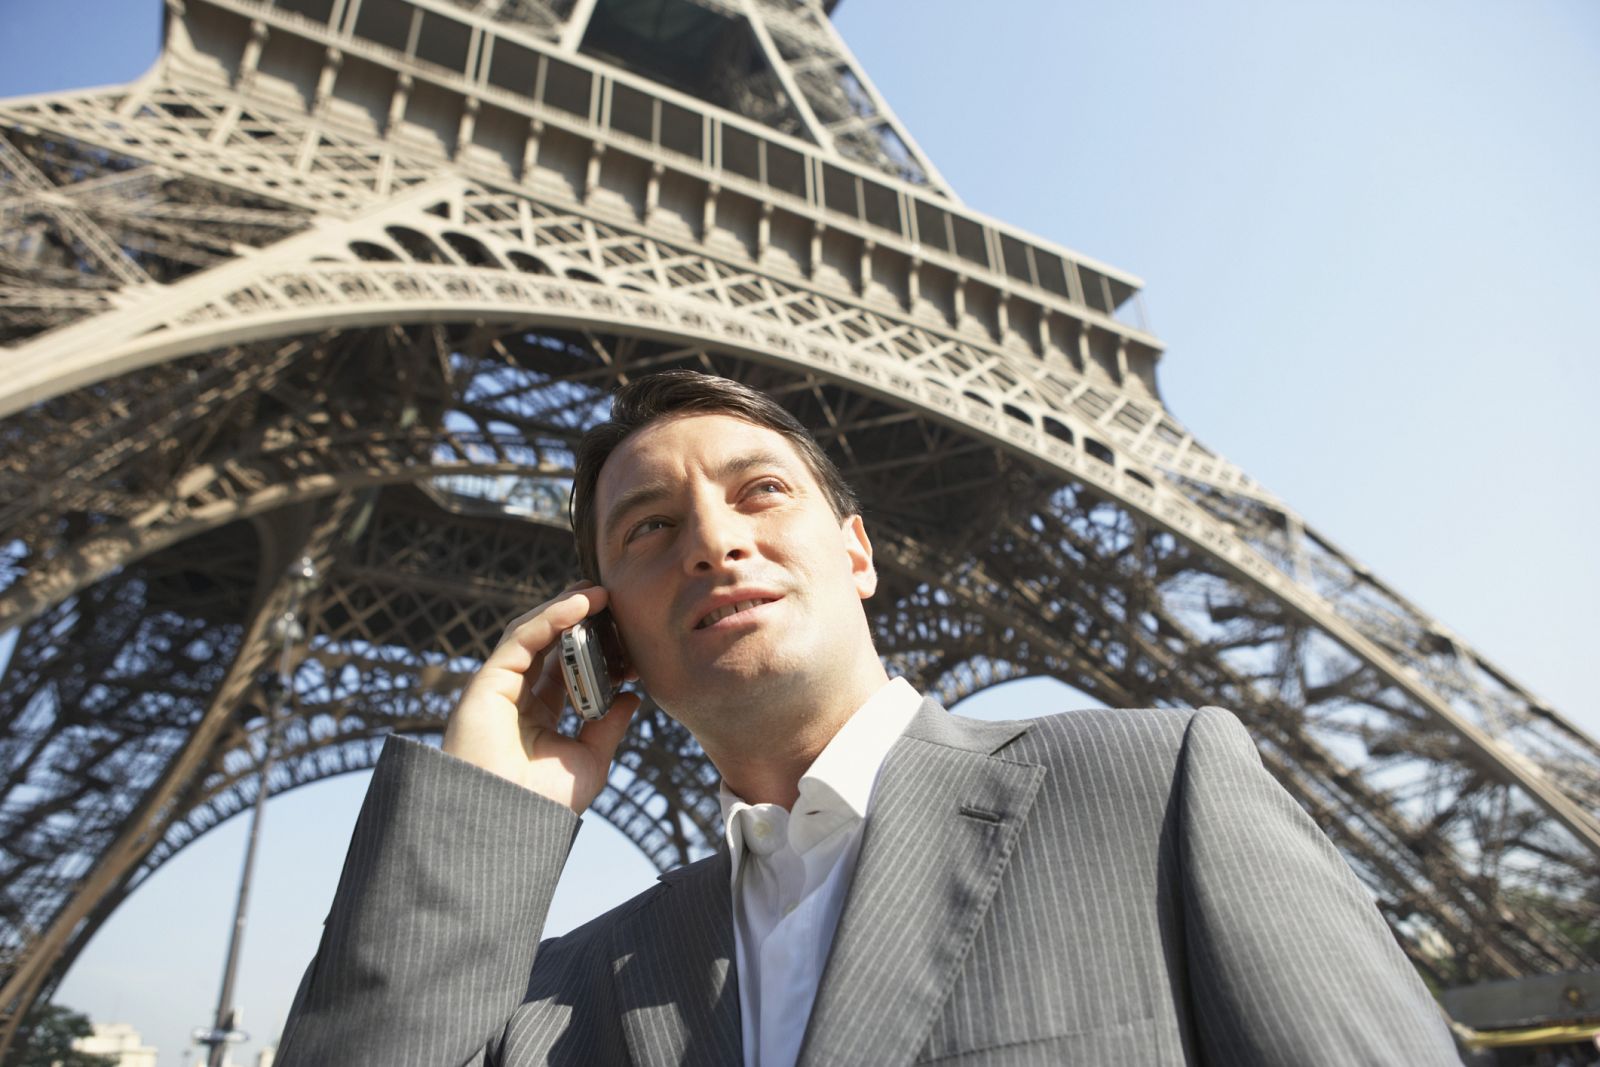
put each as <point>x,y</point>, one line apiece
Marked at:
<point>731,681</point>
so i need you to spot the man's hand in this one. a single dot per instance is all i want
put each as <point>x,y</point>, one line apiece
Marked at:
<point>506,721</point>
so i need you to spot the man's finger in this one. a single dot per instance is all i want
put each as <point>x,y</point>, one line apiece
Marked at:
<point>527,616</point>
<point>532,633</point>
<point>547,692</point>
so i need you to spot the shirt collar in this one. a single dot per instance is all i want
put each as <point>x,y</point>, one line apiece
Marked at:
<point>839,782</point>
<point>846,770</point>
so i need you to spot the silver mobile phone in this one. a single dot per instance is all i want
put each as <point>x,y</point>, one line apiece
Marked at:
<point>592,664</point>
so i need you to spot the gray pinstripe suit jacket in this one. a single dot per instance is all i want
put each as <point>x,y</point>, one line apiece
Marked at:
<point>1096,887</point>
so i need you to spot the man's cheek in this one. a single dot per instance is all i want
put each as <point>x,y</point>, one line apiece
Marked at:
<point>642,641</point>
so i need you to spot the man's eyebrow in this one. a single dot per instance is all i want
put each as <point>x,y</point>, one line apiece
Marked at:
<point>650,492</point>
<point>637,496</point>
<point>743,464</point>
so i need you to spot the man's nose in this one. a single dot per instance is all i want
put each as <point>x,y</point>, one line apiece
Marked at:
<point>718,539</point>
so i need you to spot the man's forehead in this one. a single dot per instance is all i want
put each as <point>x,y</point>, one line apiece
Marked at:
<point>679,443</point>
<point>687,439</point>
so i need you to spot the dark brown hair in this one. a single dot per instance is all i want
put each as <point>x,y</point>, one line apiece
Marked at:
<point>685,392</point>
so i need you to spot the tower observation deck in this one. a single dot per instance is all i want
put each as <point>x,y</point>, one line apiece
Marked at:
<point>346,279</point>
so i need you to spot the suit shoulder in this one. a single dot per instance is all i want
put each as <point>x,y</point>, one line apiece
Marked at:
<point>685,881</point>
<point>585,956</point>
<point>601,926</point>
<point>1108,733</point>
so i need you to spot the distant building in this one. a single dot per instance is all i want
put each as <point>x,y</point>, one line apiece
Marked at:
<point>119,1041</point>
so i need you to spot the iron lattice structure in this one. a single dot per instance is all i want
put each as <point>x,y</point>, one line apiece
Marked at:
<point>347,278</point>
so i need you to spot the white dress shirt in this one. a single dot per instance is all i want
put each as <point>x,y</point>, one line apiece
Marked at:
<point>791,870</point>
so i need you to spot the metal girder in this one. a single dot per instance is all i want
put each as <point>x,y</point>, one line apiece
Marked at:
<point>389,331</point>
<point>819,69</point>
<point>51,893</point>
<point>1003,597</point>
<point>36,192</point>
<point>930,472</point>
<point>542,388</point>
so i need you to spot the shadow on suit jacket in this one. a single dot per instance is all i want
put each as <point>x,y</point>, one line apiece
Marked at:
<point>1094,887</point>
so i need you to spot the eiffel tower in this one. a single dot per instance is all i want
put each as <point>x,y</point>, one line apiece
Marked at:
<point>344,280</point>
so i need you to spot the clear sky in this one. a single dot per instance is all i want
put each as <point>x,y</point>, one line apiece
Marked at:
<point>1368,235</point>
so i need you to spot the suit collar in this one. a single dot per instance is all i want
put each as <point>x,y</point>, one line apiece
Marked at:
<point>934,724</point>
<point>945,819</point>
<point>836,789</point>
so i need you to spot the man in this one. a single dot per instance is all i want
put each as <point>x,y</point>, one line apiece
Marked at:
<point>899,884</point>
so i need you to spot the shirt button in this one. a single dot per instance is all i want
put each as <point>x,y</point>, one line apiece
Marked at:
<point>763,828</point>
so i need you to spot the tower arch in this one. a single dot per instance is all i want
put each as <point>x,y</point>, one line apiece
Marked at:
<point>312,353</point>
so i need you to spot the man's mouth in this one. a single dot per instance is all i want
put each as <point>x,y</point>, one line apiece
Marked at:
<point>730,609</point>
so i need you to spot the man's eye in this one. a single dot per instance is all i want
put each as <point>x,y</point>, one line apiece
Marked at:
<point>644,526</point>
<point>767,486</point>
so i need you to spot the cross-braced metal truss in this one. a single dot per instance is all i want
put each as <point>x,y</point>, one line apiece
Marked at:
<point>301,291</point>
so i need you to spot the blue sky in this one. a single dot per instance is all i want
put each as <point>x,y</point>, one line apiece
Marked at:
<point>1368,236</point>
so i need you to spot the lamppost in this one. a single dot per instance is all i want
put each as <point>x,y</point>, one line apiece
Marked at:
<point>287,631</point>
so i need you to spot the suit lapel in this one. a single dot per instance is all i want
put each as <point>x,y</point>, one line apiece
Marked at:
<point>677,986</point>
<point>944,819</point>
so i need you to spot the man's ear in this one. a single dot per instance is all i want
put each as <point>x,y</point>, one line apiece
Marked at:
<point>859,548</point>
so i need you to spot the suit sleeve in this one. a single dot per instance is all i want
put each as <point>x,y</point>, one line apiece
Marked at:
<point>1289,959</point>
<point>433,930</point>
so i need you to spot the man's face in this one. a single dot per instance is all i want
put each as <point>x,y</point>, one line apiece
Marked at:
<point>729,576</point>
